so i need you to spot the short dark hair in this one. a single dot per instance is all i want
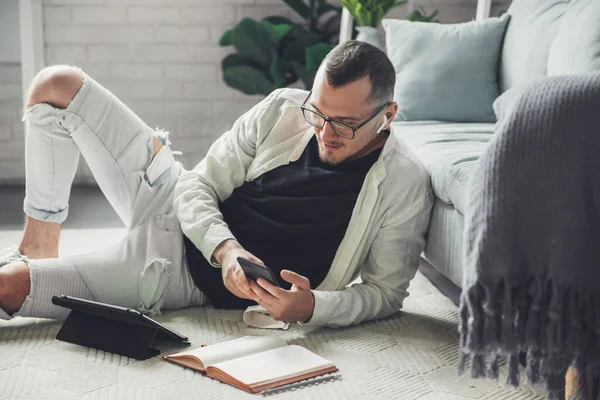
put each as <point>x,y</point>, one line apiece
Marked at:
<point>353,60</point>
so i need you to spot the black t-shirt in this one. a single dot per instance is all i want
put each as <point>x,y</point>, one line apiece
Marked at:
<point>292,217</point>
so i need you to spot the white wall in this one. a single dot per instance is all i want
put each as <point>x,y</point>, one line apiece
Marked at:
<point>11,129</point>
<point>9,31</point>
<point>12,165</point>
<point>161,58</point>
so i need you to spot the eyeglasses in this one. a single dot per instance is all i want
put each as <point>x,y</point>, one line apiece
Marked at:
<point>340,128</point>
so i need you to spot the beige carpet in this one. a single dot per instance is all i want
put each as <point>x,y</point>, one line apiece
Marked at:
<point>411,355</point>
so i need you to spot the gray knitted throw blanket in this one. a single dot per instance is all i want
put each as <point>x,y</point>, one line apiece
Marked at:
<point>532,230</point>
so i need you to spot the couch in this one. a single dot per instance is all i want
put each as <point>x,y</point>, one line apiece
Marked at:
<point>542,38</point>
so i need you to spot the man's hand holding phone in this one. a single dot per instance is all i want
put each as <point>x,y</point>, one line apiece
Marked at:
<point>296,304</point>
<point>234,278</point>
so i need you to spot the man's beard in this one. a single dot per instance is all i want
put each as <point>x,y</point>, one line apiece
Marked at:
<point>323,152</point>
<point>325,156</point>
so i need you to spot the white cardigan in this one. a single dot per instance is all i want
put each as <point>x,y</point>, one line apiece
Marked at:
<point>386,234</point>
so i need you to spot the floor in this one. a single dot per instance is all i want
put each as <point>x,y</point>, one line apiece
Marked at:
<point>410,355</point>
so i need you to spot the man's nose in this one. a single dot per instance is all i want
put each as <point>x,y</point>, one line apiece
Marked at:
<point>327,133</point>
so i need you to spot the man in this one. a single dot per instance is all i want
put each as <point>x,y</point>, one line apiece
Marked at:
<point>313,184</point>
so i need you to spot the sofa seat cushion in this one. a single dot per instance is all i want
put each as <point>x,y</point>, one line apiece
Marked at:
<point>449,152</point>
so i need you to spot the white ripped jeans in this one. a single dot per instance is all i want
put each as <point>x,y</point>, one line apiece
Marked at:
<point>146,270</point>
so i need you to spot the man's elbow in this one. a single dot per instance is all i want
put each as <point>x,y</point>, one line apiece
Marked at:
<point>395,300</point>
<point>388,303</point>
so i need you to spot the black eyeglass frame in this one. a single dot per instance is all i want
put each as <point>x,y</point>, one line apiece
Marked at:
<point>329,120</point>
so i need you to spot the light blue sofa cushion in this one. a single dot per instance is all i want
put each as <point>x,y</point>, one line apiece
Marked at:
<point>445,72</point>
<point>449,152</point>
<point>576,48</point>
<point>529,35</point>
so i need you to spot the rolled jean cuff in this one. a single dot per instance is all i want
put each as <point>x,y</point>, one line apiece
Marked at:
<point>48,216</point>
<point>52,277</point>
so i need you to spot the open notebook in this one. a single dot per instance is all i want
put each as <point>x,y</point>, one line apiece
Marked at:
<point>255,363</point>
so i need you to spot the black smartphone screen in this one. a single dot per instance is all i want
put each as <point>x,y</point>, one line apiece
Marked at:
<point>254,271</point>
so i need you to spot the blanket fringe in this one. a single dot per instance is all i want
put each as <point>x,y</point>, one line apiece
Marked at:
<point>492,371</point>
<point>513,370</point>
<point>533,366</point>
<point>552,325</point>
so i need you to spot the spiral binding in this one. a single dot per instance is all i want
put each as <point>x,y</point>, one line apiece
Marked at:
<point>302,384</point>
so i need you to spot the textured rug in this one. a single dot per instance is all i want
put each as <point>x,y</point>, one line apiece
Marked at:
<point>411,355</point>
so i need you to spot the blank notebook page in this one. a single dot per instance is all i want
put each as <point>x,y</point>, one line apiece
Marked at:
<point>216,353</point>
<point>274,365</point>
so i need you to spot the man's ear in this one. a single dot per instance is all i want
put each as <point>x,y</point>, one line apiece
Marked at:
<point>390,114</point>
<point>385,121</point>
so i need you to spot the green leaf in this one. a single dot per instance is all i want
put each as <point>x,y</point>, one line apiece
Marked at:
<point>226,38</point>
<point>296,50</point>
<point>303,74</point>
<point>315,55</point>
<point>277,20</point>
<point>420,15</point>
<point>299,6</point>
<point>277,71</point>
<point>303,35</point>
<point>370,12</point>
<point>252,40</point>
<point>248,80</point>
<point>361,17</point>
<point>377,16</point>
<point>236,60</point>
<point>276,32</point>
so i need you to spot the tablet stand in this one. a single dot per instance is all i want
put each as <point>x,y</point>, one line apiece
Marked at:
<point>133,340</point>
<point>114,329</point>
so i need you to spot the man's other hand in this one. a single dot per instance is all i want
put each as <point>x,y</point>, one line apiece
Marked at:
<point>296,304</point>
<point>234,278</point>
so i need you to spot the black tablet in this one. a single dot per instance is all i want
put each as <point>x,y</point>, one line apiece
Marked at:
<point>128,315</point>
<point>254,271</point>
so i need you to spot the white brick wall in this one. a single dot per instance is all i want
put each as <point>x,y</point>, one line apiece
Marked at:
<point>162,58</point>
<point>12,163</point>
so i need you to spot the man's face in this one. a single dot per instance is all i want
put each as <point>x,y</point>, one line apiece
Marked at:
<point>349,104</point>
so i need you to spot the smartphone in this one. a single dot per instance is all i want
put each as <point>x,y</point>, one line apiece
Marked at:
<point>254,271</point>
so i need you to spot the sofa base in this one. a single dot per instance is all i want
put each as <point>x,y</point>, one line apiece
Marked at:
<point>444,248</point>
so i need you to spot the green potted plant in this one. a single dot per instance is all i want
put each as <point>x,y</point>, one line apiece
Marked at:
<point>369,13</point>
<point>277,52</point>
